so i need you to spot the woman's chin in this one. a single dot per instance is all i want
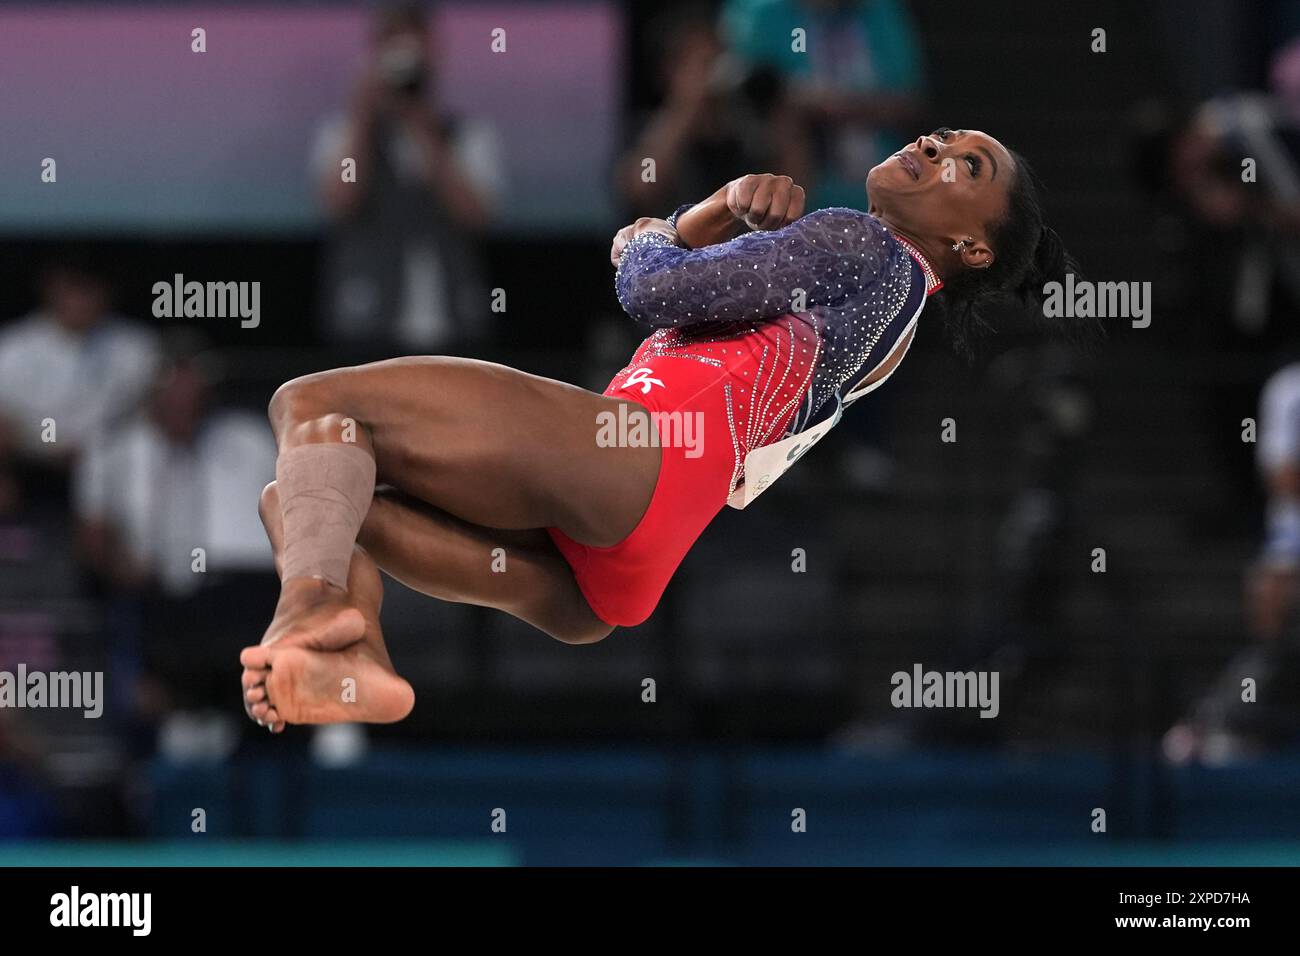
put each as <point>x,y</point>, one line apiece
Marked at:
<point>878,185</point>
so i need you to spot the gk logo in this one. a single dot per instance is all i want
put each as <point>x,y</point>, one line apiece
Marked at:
<point>642,377</point>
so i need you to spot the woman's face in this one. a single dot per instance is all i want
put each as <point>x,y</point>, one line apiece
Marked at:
<point>946,186</point>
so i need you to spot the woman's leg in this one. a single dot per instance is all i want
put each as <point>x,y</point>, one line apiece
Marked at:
<point>444,557</point>
<point>431,552</point>
<point>491,446</point>
<point>298,685</point>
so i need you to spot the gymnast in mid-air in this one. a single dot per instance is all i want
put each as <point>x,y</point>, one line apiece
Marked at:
<point>501,489</point>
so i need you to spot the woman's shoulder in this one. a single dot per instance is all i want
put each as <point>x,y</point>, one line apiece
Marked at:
<point>846,224</point>
<point>843,214</point>
<point>845,232</point>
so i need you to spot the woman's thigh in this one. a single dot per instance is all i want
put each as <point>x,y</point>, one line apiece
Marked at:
<point>490,444</point>
<point>519,572</point>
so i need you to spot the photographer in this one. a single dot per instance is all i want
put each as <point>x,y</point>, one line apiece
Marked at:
<point>402,269</point>
<point>717,117</point>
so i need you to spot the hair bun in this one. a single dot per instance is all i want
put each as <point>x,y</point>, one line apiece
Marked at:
<point>1049,263</point>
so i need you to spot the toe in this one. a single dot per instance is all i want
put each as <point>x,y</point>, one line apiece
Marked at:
<point>255,658</point>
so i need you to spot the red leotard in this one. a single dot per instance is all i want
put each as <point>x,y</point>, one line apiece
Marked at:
<point>757,336</point>
<point>744,389</point>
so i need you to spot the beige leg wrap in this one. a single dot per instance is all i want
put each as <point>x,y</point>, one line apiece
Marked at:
<point>325,491</point>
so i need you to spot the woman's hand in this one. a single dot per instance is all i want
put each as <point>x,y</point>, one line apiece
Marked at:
<point>644,224</point>
<point>755,201</point>
<point>764,200</point>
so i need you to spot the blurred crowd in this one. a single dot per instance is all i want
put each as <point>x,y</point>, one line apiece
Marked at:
<point>1226,173</point>
<point>128,486</point>
<point>129,537</point>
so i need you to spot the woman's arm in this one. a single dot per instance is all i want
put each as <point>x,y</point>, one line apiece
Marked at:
<point>821,259</point>
<point>756,201</point>
<point>763,198</point>
<point>706,223</point>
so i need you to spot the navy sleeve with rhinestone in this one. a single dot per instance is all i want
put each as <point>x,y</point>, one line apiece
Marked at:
<point>831,255</point>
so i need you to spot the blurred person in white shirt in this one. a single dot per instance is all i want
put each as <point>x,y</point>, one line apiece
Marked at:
<point>70,370</point>
<point>165,529</point>
<point>1272,583</point>
<point>1218,730</point>
<point>175,479</point>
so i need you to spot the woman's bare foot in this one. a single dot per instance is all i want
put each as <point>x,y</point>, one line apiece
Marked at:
<point>354,685</point>
<point>340,613</point>
<point>312,613</point>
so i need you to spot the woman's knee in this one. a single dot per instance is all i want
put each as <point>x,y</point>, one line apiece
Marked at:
<point>292,399</point>
<point>585,632</point>
<point>315,408</point>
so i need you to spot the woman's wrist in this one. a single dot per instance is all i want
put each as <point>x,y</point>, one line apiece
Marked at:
<point>708,223</point>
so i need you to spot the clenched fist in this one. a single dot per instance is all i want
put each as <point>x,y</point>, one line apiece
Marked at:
<point>765,201</point>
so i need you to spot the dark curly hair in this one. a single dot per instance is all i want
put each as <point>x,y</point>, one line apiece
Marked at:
<point>1028,254</point>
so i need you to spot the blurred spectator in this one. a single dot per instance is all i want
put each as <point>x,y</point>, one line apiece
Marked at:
<point>856,88</point>
<point>1235,164</point>
<point>1272,584</point>
<point>1219,728</point>
<point>402,269</point>
<point>74,362</point>
<point>719,120</point>
<point>180,477</point>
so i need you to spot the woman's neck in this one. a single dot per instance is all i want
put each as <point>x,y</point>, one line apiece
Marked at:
<point>932,249</point>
